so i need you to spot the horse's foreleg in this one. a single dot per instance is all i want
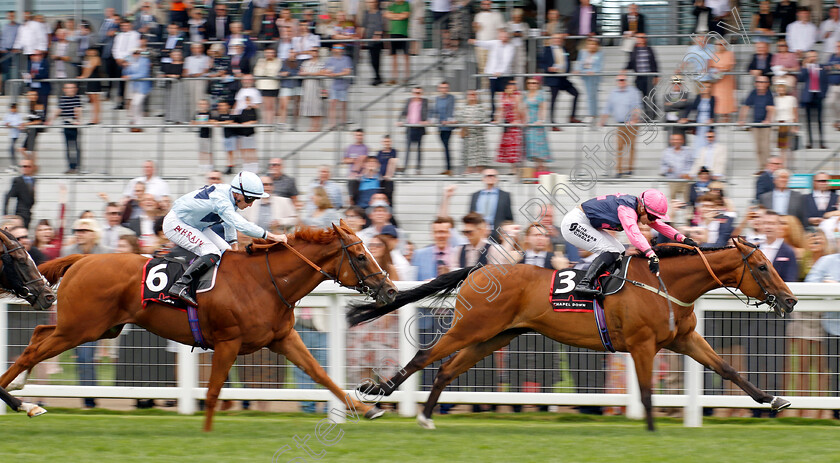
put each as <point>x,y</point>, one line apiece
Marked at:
<point>643,360</point>
<point>465,359</point>
<point>295,350</point>
<point>224,354</point>
<point>694,346</point>
<point>51,344</point>
<point>12,401</point>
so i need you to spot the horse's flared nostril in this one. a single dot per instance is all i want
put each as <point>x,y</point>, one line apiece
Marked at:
<point>49,298</point>
<point>791,301</point>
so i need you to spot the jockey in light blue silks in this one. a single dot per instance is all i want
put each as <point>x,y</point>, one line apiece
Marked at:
<point>187,225</point>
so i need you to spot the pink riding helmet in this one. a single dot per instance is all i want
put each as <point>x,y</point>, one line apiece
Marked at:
<point>655,203</point>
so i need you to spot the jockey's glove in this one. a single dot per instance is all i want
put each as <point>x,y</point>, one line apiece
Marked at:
<point>690,242</point>
<point>653,263</point>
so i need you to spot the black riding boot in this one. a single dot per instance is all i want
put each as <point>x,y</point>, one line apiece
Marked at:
<point>604,260</point>
<point>184,288</point>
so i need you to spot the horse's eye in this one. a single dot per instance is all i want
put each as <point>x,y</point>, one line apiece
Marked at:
<point>361,257</point>
<point>763,267</point>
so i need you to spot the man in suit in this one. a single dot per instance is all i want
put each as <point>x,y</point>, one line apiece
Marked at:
<point>218,23</point>
<point>174,39</point>
<point>415,111</point>
<point>818,202</point>
<point>432,261</point>
<point>107,31</point>
<point>39,69</point>
<point>493,204</point>
<point>584,21</point>
<point>766,349</point>
<point>760,62</point>
<point>632,22</point>
<point>555,59</point>
<point>815,87</point>
<point>642,59</point>
<point>716,226</point>
<point>764,183</point>
<point>782,199</point>
<point>23,190</point>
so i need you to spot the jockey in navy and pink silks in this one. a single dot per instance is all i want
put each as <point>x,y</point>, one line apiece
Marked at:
<point>584,227</point>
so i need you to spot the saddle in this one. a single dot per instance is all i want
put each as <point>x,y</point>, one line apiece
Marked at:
<point>160,273</point>
<point>565,298</point>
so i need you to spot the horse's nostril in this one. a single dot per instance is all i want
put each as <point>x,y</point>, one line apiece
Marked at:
<point>791,301</point>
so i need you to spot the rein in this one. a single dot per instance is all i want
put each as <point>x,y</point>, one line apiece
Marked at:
<point>361,286</point>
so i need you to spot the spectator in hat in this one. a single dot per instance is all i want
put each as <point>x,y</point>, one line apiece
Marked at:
<point>379,213</point>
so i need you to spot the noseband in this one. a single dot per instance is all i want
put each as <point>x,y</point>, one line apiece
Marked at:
<point>361,286</point>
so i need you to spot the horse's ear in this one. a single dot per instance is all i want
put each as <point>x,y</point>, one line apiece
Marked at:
<point>342,223</point>
<point>337,229</point>
<point>7,238</point>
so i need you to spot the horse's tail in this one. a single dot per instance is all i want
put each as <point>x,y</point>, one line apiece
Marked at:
<point>440,287</point>
<point>55,269</point>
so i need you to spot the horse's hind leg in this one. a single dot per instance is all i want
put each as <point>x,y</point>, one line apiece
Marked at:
<point>465,359</point>
<point>224,354</point>
<point>699,349</point>
<point>295,350</point>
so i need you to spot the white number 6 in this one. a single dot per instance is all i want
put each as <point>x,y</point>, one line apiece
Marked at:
<point>567,278</point>
<point>156,280</point>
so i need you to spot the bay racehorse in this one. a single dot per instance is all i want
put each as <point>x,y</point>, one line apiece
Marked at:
<point>496,303</point>
<point>20,277</point>
<point>249,308</point>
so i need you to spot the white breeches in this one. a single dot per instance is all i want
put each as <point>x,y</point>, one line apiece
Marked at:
<point>578,231</point>
<point>192,239</point>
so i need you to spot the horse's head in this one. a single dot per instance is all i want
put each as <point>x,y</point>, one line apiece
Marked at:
<point>765,285</point>
<point>358,269</point>
<point>20,275</point>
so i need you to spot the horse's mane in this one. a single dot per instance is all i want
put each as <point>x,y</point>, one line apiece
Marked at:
<point>302,233</point>
<point>668,250</point>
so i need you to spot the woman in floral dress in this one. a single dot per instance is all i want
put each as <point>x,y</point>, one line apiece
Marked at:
<point>510,112</point>
<point>475,143</point>
<point>536,142</point>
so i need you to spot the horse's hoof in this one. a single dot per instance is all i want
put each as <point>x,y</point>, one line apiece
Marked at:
<point>779,403</point>
<point>18,383</point>
<point>425,423</point>
<point>374,413</point>
<point>32,410</point>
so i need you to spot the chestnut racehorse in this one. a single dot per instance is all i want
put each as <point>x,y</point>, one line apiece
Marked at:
<point>20,277</point>
<point>496,303</point>
<point>245,312</point>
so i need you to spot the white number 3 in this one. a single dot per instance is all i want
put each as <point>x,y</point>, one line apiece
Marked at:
<point>567,278</point>
<point>156,280</point>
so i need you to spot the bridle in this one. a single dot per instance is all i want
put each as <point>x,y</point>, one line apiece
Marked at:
<point>769,298</point>
<point>361,286</point>
<point>25,291</point>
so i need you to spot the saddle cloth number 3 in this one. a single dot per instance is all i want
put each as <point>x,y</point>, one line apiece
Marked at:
<point>567,278</point>
<point>157,280</point>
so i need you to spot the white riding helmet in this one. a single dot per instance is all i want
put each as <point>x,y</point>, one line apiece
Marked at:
<point>248,184</point>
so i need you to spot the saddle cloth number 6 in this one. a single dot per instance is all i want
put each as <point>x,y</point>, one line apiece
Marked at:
<point>157,280</point>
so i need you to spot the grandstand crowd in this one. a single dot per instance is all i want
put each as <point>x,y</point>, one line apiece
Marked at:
<point>237,64</point>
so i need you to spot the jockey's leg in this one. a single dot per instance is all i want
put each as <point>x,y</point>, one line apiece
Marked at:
<point>184,288</point>
<point>208,246</point>
<point>602,262</point>
<point>578,231</point>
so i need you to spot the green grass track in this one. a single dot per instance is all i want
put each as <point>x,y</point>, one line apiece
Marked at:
<point>162,436</point>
